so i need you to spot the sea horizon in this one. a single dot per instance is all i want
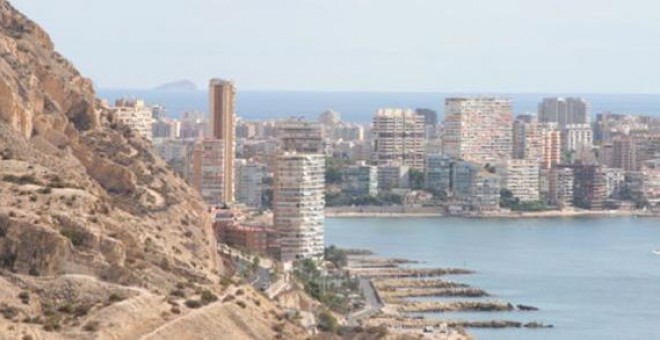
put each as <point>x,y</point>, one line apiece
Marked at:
<point>359,106</point>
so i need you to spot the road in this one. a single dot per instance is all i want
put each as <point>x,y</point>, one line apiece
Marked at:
<point>373,304</point>
<point>261,279</point>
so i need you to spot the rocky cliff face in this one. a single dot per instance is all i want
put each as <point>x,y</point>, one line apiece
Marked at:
<point>88,213</point>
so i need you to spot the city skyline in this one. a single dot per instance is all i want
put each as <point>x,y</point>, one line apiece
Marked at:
<point>468,46</point>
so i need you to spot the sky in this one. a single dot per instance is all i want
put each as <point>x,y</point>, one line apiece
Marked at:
<point>579,46</point>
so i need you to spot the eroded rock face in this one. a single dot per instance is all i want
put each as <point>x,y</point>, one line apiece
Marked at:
<point>80,195</point>
<point>90,215</point>
<point>35,80</point>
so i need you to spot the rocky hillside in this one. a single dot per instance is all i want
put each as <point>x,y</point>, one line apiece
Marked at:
<point>96,233</point>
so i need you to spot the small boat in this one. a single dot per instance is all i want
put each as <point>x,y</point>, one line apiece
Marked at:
<point>656,251</point>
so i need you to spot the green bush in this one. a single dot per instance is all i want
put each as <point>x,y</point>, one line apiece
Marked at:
<point>77,237</point>
<point>327,322</point>
<point>23,179</point>
<point>193,304</point>
<point>9,312</point>
<point>25,297</point>
<point>114,297</point>
<point>208,297</point>
<point>91,326</point>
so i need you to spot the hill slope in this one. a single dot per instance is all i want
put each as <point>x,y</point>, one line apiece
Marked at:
<point>95,230</point>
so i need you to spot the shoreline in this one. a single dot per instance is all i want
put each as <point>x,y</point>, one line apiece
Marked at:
<point>497,215</point>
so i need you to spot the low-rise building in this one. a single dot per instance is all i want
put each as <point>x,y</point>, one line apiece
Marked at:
<point>257,239</point>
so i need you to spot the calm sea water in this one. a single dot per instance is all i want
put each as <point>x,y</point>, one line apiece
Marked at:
<point>593,278</point>
<point>360,106</point>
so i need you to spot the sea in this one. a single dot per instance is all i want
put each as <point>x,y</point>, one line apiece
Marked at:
<point>359,107</point>
<point>592,278</point>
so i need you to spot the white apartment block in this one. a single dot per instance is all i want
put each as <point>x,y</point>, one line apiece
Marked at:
<point>399,138</point>
<point>521,177</point>
<point>134,114</point>
<point>478,129</point>
<point>298,205</point>
<point>577,137</point>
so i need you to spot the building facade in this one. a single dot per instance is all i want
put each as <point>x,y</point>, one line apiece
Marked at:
<point>564,111</point>
<point>478,129</point>
<point>298,205</point>
<point>249,182</point>
<point>134,114</point>
<point>300,136</point>
<point>360,180</point>
<point>399,138</point>
<point>521,177</point>
<point>437,173</point>
<point>207,167</point>
<point>222,97</point>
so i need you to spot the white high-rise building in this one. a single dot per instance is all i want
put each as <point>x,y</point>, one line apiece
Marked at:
<point>400,138</point>
<point>478,129</point>
<point>298,205</point>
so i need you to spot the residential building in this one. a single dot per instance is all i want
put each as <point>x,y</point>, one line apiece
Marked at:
<point>393,177</point>
<point>551,145</point>
<point>645,184</point>
<point>527,139</point>
<point>300,136</point>
<point>564,111</point>
<point>577,137</point>
<point>231,231</point>
<point>589,187</point>
<point>360,180</point>
<point>175,152</point>
<point>430,122</point>
<point>562,180</point>
<point>298,205</point>
<point>207,167</point>
<point>437,173</point>
<point>399,138</point>
<point>430,116</point>
<point>348,132</point>
<point>222,99</point>
<point>521,177</point>
<point>166,128</point>
<point>474,188</point>
<point>330,118</point>
<point>478,129</point>
<point>193,125</point>
<point>249,182</point>
<point>134,114</point>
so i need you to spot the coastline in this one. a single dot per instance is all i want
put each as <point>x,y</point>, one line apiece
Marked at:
<point>349,212</point>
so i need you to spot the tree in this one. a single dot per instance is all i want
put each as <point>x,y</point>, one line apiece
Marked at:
<point>327,322</point>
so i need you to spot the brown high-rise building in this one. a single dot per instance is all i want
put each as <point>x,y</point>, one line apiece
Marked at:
<point>222,126</point>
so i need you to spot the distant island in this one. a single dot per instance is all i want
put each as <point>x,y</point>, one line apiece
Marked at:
<point>180,85</point>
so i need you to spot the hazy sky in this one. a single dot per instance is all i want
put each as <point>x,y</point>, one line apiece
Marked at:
<point>372,45</point>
